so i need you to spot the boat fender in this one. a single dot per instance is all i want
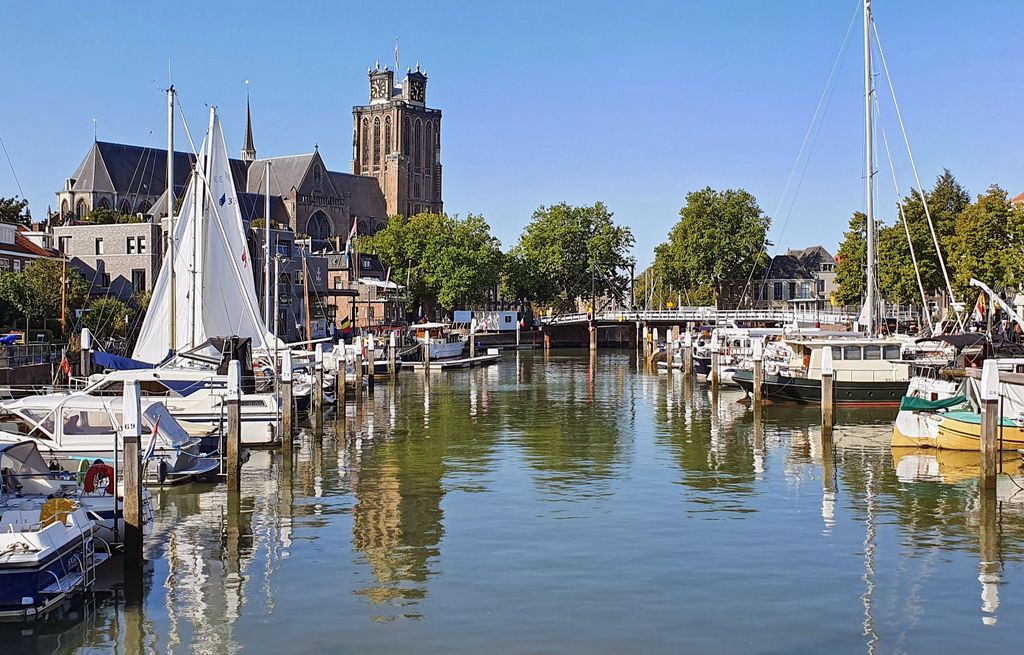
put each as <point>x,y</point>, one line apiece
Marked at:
<point>96,470</point>
<point>161,471</point>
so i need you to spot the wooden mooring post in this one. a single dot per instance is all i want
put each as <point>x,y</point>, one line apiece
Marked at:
<point>392,354</point>
<point>233,442</point>
<point>285,382</point>
<point>990,420</point>
<point>828,396</point>
<point>646,337</point>
<point>592,335</point>
<point>758,359</point>
<point>131,438</point>
<point>688,355</point>
<point>359,369</point>
<point>317,389</point>
<point>86,354</point>
<point>472,338</point>
<point>426,355</point>
<point>714,360</point>
<point>371,361</point>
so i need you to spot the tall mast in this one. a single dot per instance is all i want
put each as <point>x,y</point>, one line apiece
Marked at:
<point>305,288</point>
<point>267,304</point>
<point>870,300</point>
<point>170,217</point>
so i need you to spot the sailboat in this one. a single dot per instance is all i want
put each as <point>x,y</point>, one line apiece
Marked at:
<point>204,294</point>
<point>867,369</point>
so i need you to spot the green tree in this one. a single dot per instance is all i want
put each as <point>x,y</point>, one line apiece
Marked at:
<point>35,292</point>
<point>106,318</point>
<point>104,216</point>
<point>451,260</point>
<point>850,263</point>
<point>978,247</point>
<point>565,252</point>
<point>718,242</point>
<point>14,210</point>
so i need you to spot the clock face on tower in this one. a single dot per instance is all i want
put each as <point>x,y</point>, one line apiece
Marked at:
<point>379,88</point>
<point>417,90</point>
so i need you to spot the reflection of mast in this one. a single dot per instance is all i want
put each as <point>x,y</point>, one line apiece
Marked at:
<point>758,442</point>
<point>990,567</point>
<point>869,559</point>
<point>828,483</point>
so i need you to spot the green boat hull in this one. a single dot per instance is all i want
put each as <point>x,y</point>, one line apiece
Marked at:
<point>808,391</point>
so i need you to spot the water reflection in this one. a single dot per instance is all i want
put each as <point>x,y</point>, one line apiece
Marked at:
<point>580,500</point>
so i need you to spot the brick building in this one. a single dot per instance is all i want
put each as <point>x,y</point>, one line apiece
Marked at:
<point>120,260</point>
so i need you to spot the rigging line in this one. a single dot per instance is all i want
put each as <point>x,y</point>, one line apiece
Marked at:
<point>826,98</point>
<point>906,228</point>
<point>11,164</point>
<point>913,165</point>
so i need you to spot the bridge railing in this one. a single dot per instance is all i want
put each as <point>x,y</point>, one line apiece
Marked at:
<point>703,314</point>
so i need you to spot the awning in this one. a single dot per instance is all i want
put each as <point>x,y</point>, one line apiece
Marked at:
<point>380,284</point>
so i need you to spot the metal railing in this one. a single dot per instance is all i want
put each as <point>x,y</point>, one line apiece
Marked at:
<point>708,315</point>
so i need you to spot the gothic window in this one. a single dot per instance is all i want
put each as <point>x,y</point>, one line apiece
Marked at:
<point>376,141</point>
<point>143,207</point>
<point>430,147</point>
<point>405,136</point>
<point>416,190</point>
<point>126,207</point>
<point>81,209</point>
<point>417,144</point>
<point>366,142</point>
<point>64,209</point>
<point>319,225</point>
<point>387,134</point>
<point>104,204</point>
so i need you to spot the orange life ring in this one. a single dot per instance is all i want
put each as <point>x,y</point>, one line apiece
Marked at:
<point>94,471</point>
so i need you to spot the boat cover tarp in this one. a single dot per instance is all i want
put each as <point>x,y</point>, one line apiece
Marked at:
<point>915,404</point>
<point>958,341</point>
<point>974,418</point>
<point>109,362</point>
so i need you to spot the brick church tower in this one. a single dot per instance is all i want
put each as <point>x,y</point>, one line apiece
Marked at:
<point>397,139</point>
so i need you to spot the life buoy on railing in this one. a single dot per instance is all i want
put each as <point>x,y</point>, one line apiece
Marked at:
<point>96,470</point>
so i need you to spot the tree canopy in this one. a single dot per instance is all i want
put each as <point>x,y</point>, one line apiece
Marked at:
<point>35,292</point>
<point>851,259</point>
<point>104,216</point>
<point>451,260</point>
<point>14,210</point>
<point>718,241</point>
<point>565,252</point>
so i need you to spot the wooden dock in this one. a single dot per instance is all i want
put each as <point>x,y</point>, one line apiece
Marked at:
<point>490,357</point>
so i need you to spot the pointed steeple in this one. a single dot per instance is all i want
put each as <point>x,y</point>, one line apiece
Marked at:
<point>249,149</point>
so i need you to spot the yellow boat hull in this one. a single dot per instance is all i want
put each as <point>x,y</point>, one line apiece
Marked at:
<point>955,434</point>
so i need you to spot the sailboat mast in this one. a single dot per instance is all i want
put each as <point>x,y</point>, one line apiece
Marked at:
<point>870,300</point>
<point>305,287</point>
<point>170,219</point>
<point>266,248</point>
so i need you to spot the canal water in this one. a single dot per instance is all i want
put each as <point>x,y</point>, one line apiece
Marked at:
<point>562,504</point>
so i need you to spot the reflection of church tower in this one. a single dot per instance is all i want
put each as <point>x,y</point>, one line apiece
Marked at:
<point>397,140</point>
<point>249,149</point>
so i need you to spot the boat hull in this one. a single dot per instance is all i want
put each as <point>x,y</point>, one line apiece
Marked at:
<point>807,391</point>
<point>962,431</point>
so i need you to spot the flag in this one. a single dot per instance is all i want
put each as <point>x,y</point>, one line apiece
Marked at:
<point>980,308</point>
<point>351,235</point>
<point>65,365</point>
<point>151,450</point>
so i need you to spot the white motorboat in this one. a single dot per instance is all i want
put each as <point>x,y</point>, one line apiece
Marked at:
<point>195,397</point>
<point>26,483</point>
<point>71,428</point>
<point>442,342</point>
<point>46,554</point>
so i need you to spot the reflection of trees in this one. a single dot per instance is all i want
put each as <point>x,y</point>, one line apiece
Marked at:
<point>570,419</point>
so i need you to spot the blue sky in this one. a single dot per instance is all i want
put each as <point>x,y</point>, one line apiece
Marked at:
<point>630,103</point>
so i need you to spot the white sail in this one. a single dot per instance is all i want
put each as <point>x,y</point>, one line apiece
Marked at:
<point>214,286</point>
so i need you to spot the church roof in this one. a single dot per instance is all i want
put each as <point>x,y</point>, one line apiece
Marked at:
<point>286,173</point>
<point>251,205</point>
<point>126,170</point>
<point>366,198</point>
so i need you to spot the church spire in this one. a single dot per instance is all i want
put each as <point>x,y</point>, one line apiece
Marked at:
<point>249,149</point>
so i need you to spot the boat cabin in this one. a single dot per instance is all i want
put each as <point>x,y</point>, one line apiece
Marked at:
<point>853,360</point>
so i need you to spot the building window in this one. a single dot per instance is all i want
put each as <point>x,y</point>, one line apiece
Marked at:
<point>284,248</point>
<point>821,286</point>
<point>5,264</point>
<point>81,209</point>
<point>387,134</point>
<point>429,148</point>
<point>366,141</point>
<point>138,280</point>
<point>126,207</point>
<point>99,246</point>
<point>376,141</point>
<point>63,243</point>
<point>792,289</point>
<point>778,290</point>
<point>405,136</point>
<point>142,245</point>
<point>104,204</point>
<point>130,249</point>
<point>17,265</point>
<point>417,144</point>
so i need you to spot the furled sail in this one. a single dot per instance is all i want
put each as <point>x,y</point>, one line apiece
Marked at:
<point>215,293</point>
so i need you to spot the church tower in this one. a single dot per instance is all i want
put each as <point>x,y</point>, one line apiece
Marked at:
<point>396,139</point>
<point>249,149</point>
